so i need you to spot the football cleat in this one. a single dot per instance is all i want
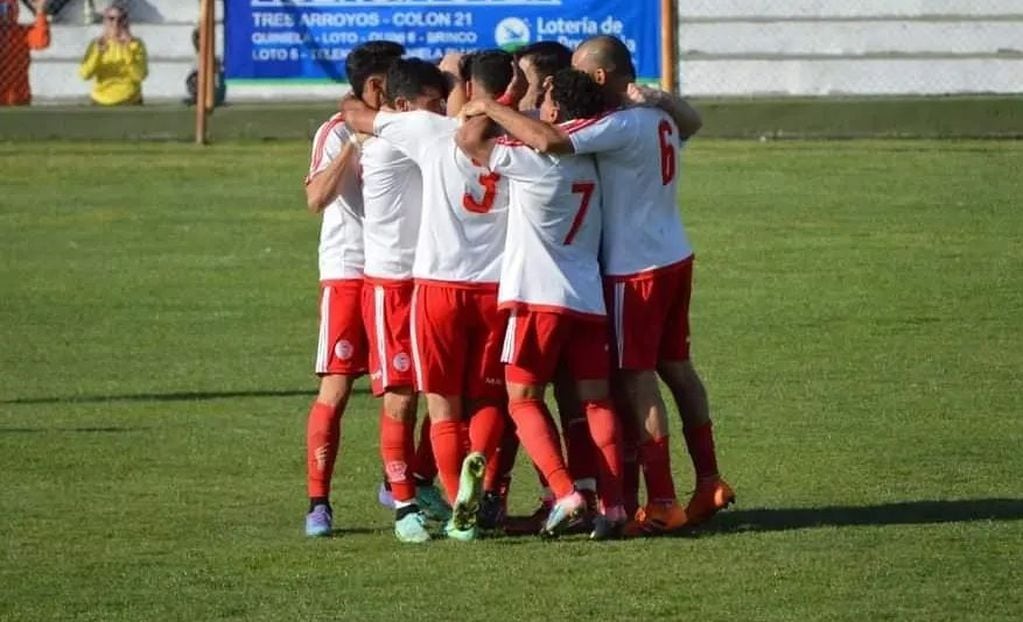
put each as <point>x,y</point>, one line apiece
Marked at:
<point>566,510</point>
<point>493,511</point>
<point>411,528</point>
<point>319,522</point>
<point>656,519</point>
<point>467,534</point>
<point>709,498</point>
<point>432,501</point>
<point>470,492</point>
<point>610,525</point>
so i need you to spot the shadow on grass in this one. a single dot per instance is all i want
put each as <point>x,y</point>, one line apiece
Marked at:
<point>180,396</point>
<point>900,513</point>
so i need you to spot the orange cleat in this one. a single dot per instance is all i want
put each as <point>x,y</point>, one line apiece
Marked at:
<point>709,498</point>
<point>656,519</point>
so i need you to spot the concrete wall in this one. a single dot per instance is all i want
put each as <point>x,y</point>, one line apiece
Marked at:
<point>839,47</point>
<point>727,47</point>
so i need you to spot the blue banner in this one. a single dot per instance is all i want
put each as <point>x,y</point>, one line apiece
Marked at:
<point>308,40</point>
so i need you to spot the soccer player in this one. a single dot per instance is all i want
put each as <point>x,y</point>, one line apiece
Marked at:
<point>456,327</point>
<point>551,285</point>
<point>332,187</point>
<point>392,202</point>
<point>539,62</point>
<point>647,260</point>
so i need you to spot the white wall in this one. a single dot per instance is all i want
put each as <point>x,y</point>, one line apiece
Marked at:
<point>844,47</point>
<point>728,47</point>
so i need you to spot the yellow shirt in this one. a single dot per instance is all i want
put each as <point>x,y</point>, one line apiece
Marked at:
<point>119,70</point>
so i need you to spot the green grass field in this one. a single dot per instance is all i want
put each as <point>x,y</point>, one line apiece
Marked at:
<point>858,318</point>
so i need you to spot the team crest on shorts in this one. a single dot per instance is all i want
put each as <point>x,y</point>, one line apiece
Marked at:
<point>402,362</point>
<point>344,350</point>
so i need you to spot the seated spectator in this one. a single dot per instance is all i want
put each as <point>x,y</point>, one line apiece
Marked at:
<point>192,81</point>
<point>116,60</point>
<point>15,42</point>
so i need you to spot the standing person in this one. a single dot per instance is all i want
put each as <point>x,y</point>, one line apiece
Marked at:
<point>15,43</point>
<point>551,285</point>
<point>392,192</point>
<point>456,327</point>
<point>333,189</point>
<point>116,60</point>
<point>539,62</point>
<point>648,274</point>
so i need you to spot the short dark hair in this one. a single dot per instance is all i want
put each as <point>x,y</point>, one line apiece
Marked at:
<point>492,69</point>
<point>410,77</point>
<point>577,95</point>
<point>548,57</point>
<point>368,59</point>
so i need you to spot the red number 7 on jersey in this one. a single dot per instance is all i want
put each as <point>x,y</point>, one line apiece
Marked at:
<point>584,188</point>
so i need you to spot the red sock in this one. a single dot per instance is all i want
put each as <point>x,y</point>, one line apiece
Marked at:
<point>655,456</point>
<point>486,427</point>
<point>630,466</point>
<point>323,439</point>
<point>448,449</point>
<point>607,439</point>
<point>579,449</point>
<point>540,439</point>
<point>397,449</point>
<point>426,465</point>
<point>700,441</point>
<point>506,455</point>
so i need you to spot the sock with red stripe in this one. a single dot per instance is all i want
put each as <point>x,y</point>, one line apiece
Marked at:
<point>540,439</point>
<point>655,457</point>
<point>606,438</point>
<point>397,448</point>
<point>448,450</point>
<point>323,441</point>
<point>700,442</point>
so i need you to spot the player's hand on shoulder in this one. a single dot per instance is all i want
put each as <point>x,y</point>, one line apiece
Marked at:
<point>639,95</point>
<point>473,108</point>
<point>351,104</point>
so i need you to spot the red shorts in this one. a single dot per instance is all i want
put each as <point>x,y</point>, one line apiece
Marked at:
<point>650,315</point>
<point>386,314</point>
<point>457,332</point>
<point>342,344</point>
<point>537,342</point>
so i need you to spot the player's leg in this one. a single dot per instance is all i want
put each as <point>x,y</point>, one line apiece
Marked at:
<point>585,355</point>
<point>340,358</point>
<point>579,450</point>
<point>532,347</point>
<point>386,310</point>
<point>676,369</point>
<point>637,315</point>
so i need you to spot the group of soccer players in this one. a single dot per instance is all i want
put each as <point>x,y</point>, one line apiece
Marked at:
<point>493,225</point>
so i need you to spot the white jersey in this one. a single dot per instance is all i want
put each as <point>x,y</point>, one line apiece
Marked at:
<point>392,195</point>
<point>465,206</point>
<point>637,153</point>
<point>551,257</point>
<point>341,246</point>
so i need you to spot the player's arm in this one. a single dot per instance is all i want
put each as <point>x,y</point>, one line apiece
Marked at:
<point>681,112</point>
<point>323,186</point>
<point>475,138</point>
<point>543,137</point>
<point>358,116</point>
<point>451,67</point>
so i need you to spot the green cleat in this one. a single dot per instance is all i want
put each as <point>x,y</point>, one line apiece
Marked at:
<point>432,501</point>
<point>470,492</point>
<point>411,526</point>
<point>462,535</point>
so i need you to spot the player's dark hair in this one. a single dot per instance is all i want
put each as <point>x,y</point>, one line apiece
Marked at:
<point>369,59</point>
<point>612,54</point>
<point>465,66</point>
<point>492,69</point>
<point>548,57</point>
<point>577,95</point>
<point>410,77</point>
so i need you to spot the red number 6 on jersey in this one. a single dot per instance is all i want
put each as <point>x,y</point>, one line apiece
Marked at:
<point>489,183</point>
<point>668,167</point>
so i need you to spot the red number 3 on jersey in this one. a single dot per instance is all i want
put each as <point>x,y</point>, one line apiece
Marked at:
<point>664,132</point>
<point>489,183</point>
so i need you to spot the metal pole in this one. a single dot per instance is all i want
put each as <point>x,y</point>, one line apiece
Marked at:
<point>669,45</point>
